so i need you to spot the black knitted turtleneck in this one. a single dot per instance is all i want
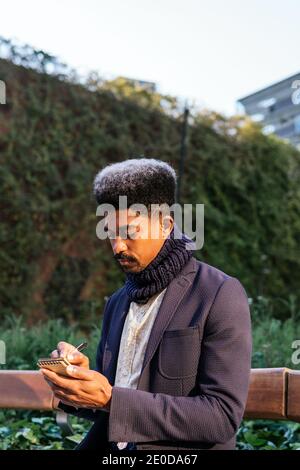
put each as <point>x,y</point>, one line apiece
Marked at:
<point>167,264</point>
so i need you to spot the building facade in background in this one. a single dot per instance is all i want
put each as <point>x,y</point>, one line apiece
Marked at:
<point>277,108</point>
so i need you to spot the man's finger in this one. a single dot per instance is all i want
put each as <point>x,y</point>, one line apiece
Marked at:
<point>56,379</point>
<point>64,348</point>
<point>56,388</point>
<point>80,373</point>
<point>75,357</point>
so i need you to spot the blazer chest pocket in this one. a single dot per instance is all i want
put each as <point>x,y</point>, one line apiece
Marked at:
<point>179,353</point>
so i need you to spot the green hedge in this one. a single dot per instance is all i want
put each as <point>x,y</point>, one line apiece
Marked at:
<point>55,134</point>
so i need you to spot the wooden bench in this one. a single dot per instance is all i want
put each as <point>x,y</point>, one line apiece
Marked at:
<point>274,393</point>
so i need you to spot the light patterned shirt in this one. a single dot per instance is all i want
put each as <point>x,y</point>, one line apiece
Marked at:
<point>135,336</point>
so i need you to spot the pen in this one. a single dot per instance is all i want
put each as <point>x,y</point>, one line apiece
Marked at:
<point>81,346</point>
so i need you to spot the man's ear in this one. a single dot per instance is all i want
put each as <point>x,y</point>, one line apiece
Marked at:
<point>167,225</point>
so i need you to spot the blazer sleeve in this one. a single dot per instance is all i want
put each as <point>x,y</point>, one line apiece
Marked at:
<point>88,413</point>
<point>215,414</point>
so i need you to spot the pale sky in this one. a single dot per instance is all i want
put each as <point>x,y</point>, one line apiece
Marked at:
<point>213,52</point>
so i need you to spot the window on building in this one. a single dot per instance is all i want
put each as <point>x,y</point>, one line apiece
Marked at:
<point>267,103</point>
<point>283,120</point>
<point>257,117</point>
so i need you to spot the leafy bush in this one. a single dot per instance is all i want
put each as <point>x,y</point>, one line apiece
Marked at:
<point>268,435</point>
<point>30,430</point>
<point>272,337</point>
<point>24,345</point>
<point>33,430</point>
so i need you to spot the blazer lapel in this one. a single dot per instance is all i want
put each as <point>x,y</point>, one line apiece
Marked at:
<point>111,351</point>
<point>169,305</point>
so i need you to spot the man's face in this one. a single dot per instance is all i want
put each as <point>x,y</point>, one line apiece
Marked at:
<point>136,239</point>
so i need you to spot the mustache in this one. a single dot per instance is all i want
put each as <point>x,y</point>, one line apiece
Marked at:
<point>122,257</point>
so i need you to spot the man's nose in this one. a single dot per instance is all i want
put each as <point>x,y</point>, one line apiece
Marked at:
<point>118,245</point>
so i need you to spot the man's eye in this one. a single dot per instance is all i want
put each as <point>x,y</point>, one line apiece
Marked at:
<point>124,233</point>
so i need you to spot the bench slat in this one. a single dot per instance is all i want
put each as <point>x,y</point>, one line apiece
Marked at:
<point>293,401</point>
<point>267,394</point>
<point>24,389</point>
<point>274,393</point>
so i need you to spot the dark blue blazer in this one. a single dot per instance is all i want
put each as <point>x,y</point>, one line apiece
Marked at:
<point>193,387</point>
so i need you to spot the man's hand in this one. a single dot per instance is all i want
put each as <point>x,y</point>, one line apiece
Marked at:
<point>83,388</point>
<point>70,352</point>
